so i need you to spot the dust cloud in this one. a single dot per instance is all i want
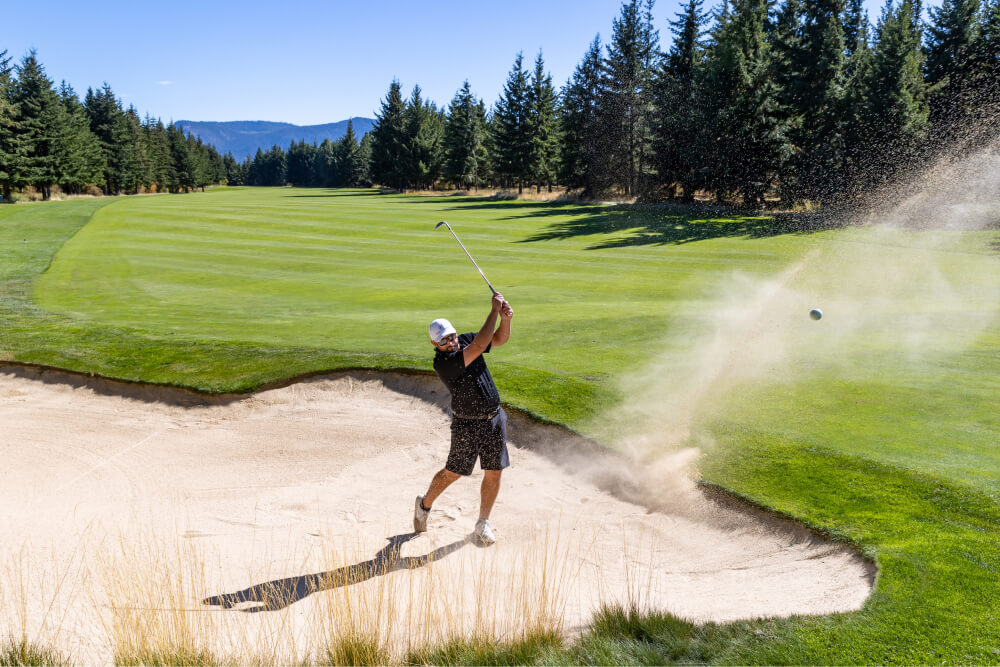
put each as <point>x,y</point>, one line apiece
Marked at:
<point>901,288</point>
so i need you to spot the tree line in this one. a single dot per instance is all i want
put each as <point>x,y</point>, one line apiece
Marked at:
<point>794,101</point>
<point>49,137</point>
<point>754,100</point>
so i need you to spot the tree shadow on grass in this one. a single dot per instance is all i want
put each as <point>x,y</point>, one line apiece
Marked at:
<point>280,593</point>
<point>652,224</point>
<point>637,226</point>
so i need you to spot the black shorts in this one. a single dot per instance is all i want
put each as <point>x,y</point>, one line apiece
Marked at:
<point>485,439</point>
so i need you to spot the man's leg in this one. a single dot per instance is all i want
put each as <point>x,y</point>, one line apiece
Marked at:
<point>441,481</point>
<point>488,492</point>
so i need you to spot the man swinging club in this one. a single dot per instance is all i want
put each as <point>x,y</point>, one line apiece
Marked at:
<point>479,425</point>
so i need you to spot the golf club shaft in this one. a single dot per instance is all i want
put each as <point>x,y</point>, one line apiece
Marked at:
<point>445,223</point>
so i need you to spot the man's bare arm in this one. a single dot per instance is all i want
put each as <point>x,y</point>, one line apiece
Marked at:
<point>502,335</point>
<point>485,335</point>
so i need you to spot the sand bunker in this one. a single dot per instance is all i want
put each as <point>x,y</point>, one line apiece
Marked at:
<point>124,500</point>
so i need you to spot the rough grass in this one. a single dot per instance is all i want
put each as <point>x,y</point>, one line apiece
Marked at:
<point>877,426</point>
<point>18,652</point>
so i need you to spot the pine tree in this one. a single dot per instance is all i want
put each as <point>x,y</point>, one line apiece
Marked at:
<point>40,125</point>
<point>857,71</point>
<point>584,147</point>
<point>109,124</point>
<point>234,172</point>
<point>818,96</point>
<point>79,155</point>
<point>158,148</point>
<point>739,98</point>
<point>11,146</point>
<point>949,65</point>
<point>134,166</point>
<point>626,105</point>
<point>986,64</point>
<point>464,140</point>
<point>326,165</point>
<point>896,112</point>
<point>183,166</point>
<point>510,129</point>
<point>424,136</point>
<point>364,178</point>
<point>855,27</point>
<point>302,163</point>
<point>346,156</point>
<point>389,139</point>
<point>677,127</point>
<point>542,127</point>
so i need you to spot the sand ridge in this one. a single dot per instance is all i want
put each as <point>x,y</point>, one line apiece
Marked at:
<point>266,486</point>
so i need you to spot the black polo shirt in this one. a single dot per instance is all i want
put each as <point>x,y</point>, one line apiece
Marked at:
<point>472,390</point>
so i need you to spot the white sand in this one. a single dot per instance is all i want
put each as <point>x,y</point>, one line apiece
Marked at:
<point>109,489</point>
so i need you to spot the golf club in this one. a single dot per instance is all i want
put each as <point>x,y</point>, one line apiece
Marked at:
<point>443,222</point>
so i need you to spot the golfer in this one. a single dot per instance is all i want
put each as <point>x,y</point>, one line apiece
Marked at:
<point>479,425</point>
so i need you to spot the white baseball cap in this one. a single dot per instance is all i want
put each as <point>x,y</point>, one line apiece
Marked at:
<point>440,328</point>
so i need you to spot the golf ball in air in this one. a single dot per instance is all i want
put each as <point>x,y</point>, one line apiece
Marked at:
<point>815,313</point>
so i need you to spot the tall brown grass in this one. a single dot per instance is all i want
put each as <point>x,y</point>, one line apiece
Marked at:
<point>157,601</point>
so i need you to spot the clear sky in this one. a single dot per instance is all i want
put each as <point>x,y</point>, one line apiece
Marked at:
<point>299,61</point>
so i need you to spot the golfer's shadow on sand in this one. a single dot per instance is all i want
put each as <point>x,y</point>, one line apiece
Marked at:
<point>280,593</point>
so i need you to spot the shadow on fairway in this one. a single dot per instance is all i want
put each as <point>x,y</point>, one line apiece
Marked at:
<point>636,227</point>
<point>652,224</point>
<point>280,593</point>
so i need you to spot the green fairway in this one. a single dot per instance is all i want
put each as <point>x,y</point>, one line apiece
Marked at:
<point>877,424</point>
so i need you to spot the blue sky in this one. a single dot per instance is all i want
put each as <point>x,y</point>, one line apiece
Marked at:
<point>303,62</point>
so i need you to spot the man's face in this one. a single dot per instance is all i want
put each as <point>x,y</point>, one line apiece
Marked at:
<point>448,344</point>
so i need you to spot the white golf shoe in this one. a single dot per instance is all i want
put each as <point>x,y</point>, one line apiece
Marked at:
<point>420,515</point>
<point>484,532</point>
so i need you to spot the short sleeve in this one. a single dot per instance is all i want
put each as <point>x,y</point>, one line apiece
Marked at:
<point>450,366</point>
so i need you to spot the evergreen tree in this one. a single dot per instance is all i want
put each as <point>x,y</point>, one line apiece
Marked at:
<point>484,119</point>
<point>986,64</point>
<point>233,170</point>
<point>183,165</point>
<point>158,148</point>
<point>274,170</point>
<point>348,158</point>
<point>584,146</point>
<point>326,165</point>
<point>201,159</point>
<point>11,144</point>
<point>464,140</point>
<point>949,65</point>
<point>302,163</point>
<point>510,129</point>
<point>40,125</point>
<point>389,140</point>
<point>855,27</point>
<point>626,107</point>
<point>857,71</point>
<point>364,178</point>
<point>108,122</point>
<point>739,97</point>
<point>424,136</point>
<point>542,127</point>
<point>677,127</point>
<point>79,155</point>
<point>134,166</point>
<point>896,113</point>
<point>817,95</point>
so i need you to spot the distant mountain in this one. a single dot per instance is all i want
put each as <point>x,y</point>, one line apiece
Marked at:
<point>242,138</point>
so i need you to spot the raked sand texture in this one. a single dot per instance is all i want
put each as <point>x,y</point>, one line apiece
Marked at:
<point>128,506</point>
